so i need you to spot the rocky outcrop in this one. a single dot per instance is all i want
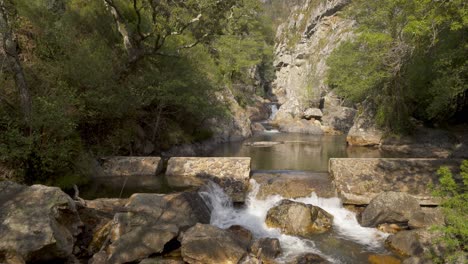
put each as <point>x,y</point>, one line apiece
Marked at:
<point>37,223</point>
<point>312,31</point>
<point>293,185</point>
<point>149,223</point>
<point>299,219</point>
<point>300,126</point>
<point>390,207</point>
<point>358,181</point>
<point>310,113</point>
<point>232,174</point>
<point>210,244</point>
<point>130,166</point>
<point>364,131</point>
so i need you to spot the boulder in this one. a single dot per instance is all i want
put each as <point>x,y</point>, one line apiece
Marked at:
<point>426,218</point>
<point>130,166</point>
<point>37,223</point>
<point>419,243</point>
<point>309,258</point>
<point>210,244</point>
<point>364,131</point>
<point>300,126</point>
<point>294,218</point>
<point>310,113</point>
<point>150,222</point>
<point>339,118</point>
<point>293,185</point>
<point>232,174</point>
<point>390,207</point>
<point>359,180</point>
<point>267,249</point>
<point>242,235</point>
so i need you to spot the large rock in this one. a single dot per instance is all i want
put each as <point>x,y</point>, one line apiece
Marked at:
<point>310,113</point>
<point>299,219</point>
<point>359,180</point>
<point>151,222</point>
<point>293,185</point>
<point>37,223</point>
<point>130,166</point>
<point>232,174</point>
<point>365,132</point>
<point>300,126</point>
<point>390,207</point>
<point>417,243</point>
<point>267,249</point>
<point>210,244</point>
<point>339,118</point>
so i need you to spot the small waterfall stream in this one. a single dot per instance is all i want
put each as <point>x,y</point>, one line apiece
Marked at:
<point>273,110</point>
<point>347,243</point>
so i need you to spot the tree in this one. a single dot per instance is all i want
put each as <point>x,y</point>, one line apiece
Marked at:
<point>400,58</point>
<point>9,51</point>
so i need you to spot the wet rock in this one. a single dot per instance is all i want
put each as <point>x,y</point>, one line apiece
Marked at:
<point>209,244</point>
<point>293,185</point>
<point>299,219</point>
<point>391,228</point>
<point>267,249</point>
<point>232,174</point>
<point>359,180</point>
<point>309,258</point>
<point>300,126</point>
<point>315,113</point>
<point>390,207</point>
<point>383,259</point>
<point>37,223</point>
<point>242,235</point>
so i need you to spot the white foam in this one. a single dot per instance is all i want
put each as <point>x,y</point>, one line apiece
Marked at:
<point>253,215</point>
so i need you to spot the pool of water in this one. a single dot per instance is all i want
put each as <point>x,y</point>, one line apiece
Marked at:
<point>294,151</point>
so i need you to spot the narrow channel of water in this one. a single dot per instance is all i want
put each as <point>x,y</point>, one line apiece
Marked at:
<point>348,242</point>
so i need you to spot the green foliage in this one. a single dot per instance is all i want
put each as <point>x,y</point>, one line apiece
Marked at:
<point>455,201</point>
<point>408,58</point>
<point>94,94</point>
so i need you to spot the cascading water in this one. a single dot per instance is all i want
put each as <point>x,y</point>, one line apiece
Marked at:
<point>273,110</point>
<point>347,243</point>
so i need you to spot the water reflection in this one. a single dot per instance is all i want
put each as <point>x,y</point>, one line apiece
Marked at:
<point>296,151</point>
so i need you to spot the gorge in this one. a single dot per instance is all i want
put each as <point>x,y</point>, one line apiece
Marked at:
<point>273,131</point>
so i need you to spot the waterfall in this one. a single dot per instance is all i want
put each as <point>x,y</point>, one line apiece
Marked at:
<point>273,110</point>
<point>253,215</point>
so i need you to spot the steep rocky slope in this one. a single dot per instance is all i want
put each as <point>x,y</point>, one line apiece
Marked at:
<point>304,42</point>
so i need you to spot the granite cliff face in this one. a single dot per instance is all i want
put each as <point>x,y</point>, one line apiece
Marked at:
<point>304,42</point>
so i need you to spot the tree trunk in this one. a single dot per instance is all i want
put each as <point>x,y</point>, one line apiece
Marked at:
<point>9,47</point>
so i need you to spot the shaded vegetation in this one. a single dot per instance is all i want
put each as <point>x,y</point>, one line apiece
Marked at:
<point>408,58</point>
<point>101,74</point>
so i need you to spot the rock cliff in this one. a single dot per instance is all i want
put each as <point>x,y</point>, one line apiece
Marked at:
<point>304,42</point>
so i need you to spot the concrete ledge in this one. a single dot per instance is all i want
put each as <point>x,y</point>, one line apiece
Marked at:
<point>232,174</point>
<point>130,166</point>
<point>357,181</point>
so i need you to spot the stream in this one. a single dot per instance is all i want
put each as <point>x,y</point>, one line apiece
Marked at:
<point>278,154</point>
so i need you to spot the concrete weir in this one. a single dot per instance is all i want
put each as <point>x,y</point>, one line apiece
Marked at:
<point>232,174</point>
<point>359,180</point>
<point>130,166</point>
